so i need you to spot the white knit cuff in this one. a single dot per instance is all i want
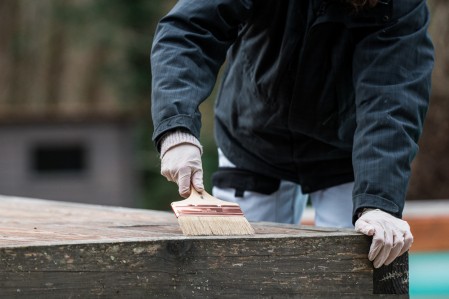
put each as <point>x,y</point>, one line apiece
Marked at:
<point>175,138</point>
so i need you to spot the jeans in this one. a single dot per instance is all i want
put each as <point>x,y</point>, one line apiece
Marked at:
<point>333,206</point>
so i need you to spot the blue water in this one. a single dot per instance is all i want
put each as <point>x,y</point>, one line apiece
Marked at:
<point>429,275</point>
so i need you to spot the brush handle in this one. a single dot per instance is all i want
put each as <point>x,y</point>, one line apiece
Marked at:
<point>204,204</point>
<point>205,198</point>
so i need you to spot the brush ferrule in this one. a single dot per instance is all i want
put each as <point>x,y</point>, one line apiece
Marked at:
<point>207,210</point>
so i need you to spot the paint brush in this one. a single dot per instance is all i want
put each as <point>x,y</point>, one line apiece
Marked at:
<point>204,215</point>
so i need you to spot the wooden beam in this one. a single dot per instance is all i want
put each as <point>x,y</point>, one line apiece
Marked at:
<point>56,249</point>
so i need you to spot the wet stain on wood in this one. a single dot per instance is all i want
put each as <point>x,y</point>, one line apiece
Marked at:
<point>62,250</point>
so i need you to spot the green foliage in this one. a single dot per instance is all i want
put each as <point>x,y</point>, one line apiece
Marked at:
<point>124,30</point>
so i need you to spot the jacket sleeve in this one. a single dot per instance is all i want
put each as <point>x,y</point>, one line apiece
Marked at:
<point>391,72</point>
<point>188,50</point>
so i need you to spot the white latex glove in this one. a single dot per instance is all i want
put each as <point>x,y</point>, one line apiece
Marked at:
<point>391,236</point>
<point>182,164</point>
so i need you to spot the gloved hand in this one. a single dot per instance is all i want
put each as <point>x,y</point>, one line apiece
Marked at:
<point>391,236</point>
<point>181,163</point>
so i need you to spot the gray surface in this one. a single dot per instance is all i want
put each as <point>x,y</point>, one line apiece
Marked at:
<point>109,178</point>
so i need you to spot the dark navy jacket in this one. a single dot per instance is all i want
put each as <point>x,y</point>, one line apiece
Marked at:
<point>312,92</point>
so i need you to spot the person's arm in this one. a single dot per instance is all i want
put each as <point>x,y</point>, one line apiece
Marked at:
<point>392,71</point>
<point>188,50</point>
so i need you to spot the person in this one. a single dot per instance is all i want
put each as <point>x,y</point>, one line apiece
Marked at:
<point>319,98</point>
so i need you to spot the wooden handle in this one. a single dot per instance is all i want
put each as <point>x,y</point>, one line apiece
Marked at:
<point>204,198</point>
<point>194,193</point>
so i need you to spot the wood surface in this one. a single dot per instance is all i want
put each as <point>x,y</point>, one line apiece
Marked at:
<point>430,233</point>
<point>427,232</point>
<point>428,220</point>
<point>63,250</point>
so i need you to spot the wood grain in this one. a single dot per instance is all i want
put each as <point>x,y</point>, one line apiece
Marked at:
<point>54,250</point>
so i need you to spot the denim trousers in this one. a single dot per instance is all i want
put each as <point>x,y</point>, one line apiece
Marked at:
<point>333,206</point>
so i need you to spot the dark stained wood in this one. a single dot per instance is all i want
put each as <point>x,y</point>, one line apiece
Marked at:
<point>392,279</point>
<point>63,250</point>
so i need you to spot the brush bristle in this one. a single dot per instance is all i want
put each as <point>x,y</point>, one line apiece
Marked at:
<point>215,225</point>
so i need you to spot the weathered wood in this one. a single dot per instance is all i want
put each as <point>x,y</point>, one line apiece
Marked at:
<point>54,250</point>
<point>392,279</point>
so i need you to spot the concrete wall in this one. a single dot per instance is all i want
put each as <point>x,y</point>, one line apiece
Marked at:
<point>106,177</point>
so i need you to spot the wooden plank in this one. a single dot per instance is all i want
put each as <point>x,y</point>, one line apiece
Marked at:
<point>54,250</point>
<point>430,233</point>
<point>429,221</point>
